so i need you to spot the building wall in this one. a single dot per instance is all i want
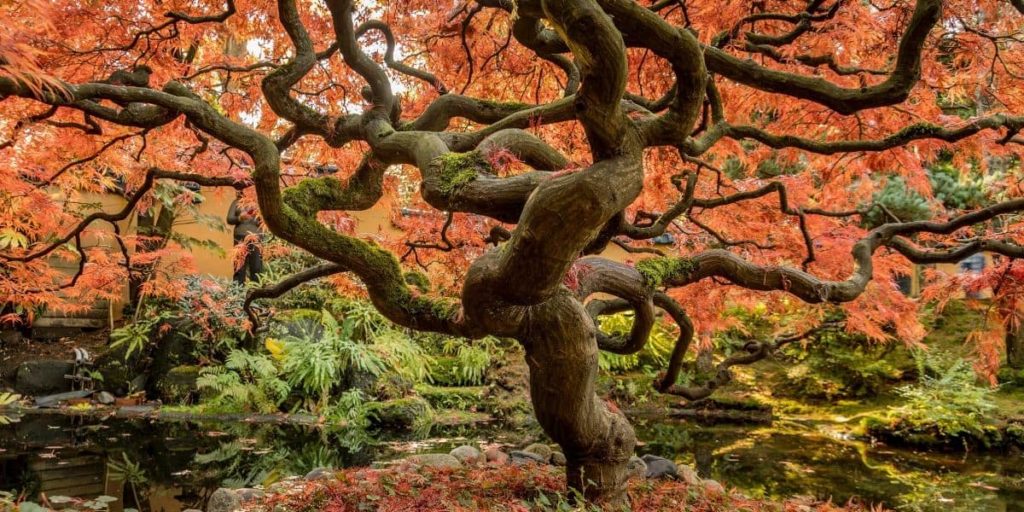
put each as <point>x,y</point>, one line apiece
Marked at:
<point>370,223</point>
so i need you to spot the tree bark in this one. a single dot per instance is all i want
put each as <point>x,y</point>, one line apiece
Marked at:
<point>158,231</point>
<point>1015,348</point>
<point>561,351</point>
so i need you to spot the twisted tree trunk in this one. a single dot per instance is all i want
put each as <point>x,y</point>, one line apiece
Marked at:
<point>561,350</point>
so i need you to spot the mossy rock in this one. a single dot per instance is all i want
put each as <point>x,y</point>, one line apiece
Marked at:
<point>119,371</point>
<point>299,322</point>
<point>171,350</point>
<point>391,386</point>
<point>402,414</point>
<point>461,398</point>
<point>178,386</point>
<point>364,381</point>
<point>730,403</point>
<point>897,432</point>
<point>1015,434</point>
<point>508,392</point>
<point>456,418</point>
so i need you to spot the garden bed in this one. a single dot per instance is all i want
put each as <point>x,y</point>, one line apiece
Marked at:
<point>509,488</point>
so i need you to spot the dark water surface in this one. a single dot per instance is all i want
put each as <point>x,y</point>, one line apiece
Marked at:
<point>170,466</point>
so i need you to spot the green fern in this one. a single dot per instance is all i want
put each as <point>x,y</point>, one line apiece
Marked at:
<point>246,382</point>
<point>655,353</point>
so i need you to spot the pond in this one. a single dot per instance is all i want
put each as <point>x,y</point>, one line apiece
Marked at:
<point>171,466</point>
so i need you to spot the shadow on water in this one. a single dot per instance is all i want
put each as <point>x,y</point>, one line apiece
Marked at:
<point>171,466</point>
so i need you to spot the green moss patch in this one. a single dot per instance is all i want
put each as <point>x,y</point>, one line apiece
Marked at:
<point>656,271</point>
<point>456,170</point>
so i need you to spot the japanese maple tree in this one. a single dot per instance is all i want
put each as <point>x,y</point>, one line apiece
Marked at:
<point>763,134</point>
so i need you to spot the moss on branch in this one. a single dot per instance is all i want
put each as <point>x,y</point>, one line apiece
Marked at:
<point>656,271</point>
<point>456,170</point>
<point>311,195</point>
<point>505,105</point>
<point>419,280</point>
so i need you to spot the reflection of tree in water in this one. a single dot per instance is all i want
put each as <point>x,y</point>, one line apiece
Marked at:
<point>703,460</point>
<point>788,460</point>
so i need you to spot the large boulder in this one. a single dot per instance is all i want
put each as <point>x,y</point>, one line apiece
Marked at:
<point>391,386</point>
<point>364,381</point>
<point>400,414</point>
<point>178,386</point>
<point>43,377</point>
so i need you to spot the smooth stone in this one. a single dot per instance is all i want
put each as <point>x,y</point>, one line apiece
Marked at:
<point>320,474</point>
<point>250,494</point>
<point>105,398</point>
<point>689,476</point>
<point>542,450</point>
<point>521,458</point>
<point>55,400</point>
<point>660,467</point>
<point>636,467</point>
<point>713,488</point>
<point>466,454</point>
<point>558,458</point>
<point>496,457</point>
<point>138,383</point>
<point>434,460</point>
<point>224,500</point>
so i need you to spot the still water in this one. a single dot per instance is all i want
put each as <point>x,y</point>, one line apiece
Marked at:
<point>171,466</point>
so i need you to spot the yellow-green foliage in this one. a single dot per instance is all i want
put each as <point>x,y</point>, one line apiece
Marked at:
<point>655,353</point>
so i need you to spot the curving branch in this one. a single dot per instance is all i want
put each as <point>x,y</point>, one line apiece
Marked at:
<point>285,285</point>
<point>389,55</point>
<point>895,89</point>
<point>920,131</point>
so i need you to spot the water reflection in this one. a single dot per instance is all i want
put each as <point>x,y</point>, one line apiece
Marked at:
<point>171,466</point>
<point>789,460</point>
